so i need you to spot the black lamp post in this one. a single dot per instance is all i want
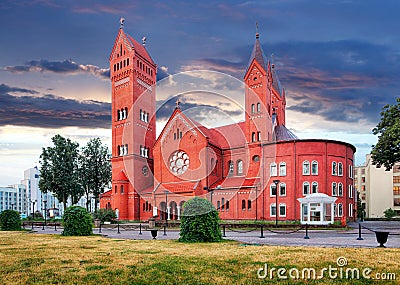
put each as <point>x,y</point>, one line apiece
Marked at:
<point>166,212</point>
<point>276,182</point>
<point>12,207</point>
<point>33,209</point>
<point>45,212</point>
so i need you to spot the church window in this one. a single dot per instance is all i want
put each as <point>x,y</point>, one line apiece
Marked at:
<point>282,210</point>
<point>179,162</point>
<point>122,189</point>
<point>116,189</point>
<point>259,136</point>
<point>314,168</point>
<point>273,170</point>
<point>126,112</point>
<point>231,168</point>
<point>127,61</point>
<point>243,205</point>
<point>272,190</point>
<point>180,135</point>
<point>218,205</point>
<point>124,62</point>
<point>248,205</point>
<point>115,67</point>
<point>334,170</point>
<point>137,63</point>
<point>252,109</point>
<point>306,167</point>
<point>340,169</point>
<point>240,167</point>
<point>282,189</point>
<point>253,136</point>
<point>334,189</point>
<point>174,136</point>
<point>282,169</point>
<point>258,107</point>
<point>314,187</point>
<point>223,204</point>
<point>120,52</point>
<point>340,209</point>
<point>340,189</point>
<point>256,158</point>
<point>227,205</point>
<point>273,210</point>
<point>306,188</point>
<point>126,149</point>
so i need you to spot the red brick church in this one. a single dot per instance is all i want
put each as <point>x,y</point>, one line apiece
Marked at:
<point>254,170</point>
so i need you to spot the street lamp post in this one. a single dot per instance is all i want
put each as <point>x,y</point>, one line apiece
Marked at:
<point>166,212</point>
<point>276,182</point>
<point>45,212</point>
<point>33,209</point>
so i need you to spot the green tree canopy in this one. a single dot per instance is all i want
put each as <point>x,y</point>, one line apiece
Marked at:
<point>95,169</point>
<point>59,170</point>
<point>387,151</point>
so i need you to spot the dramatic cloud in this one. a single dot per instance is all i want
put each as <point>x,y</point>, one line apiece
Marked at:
<point>340,81</point>
<point>49,111</point>
<point>60,67</point>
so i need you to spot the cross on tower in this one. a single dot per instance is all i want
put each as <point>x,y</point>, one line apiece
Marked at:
<point>178,102</point>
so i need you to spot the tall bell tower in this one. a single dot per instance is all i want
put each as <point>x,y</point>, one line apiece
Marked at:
<point>133,78</point>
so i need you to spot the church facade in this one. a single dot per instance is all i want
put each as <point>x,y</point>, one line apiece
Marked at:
<point>253,170</point>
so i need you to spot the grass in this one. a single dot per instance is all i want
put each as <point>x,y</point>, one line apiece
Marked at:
<point>52,259</point>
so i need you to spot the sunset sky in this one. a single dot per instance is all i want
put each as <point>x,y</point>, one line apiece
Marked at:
<point>339,62</point>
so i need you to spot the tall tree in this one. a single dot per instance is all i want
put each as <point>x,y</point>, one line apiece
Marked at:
<point>387,151</point>
<point>59,170</point>
<point>95,169</point>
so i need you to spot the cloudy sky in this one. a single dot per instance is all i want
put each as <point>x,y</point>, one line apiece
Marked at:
<point>339,62</point>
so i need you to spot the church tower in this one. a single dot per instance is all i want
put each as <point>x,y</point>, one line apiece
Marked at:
<point>133,78</point>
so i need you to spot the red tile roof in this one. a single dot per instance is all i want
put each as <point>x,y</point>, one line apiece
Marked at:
<point>177,187</point>
<point>140,49</point>
<point>236,182</point>
<point>121,177</point>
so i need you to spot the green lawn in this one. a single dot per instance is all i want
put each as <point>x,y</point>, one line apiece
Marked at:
<point>52,259</point>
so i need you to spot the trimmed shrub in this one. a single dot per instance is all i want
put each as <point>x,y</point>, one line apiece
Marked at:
<point>105,215</point>
<point>77,222</point>
<point>10,220</point>
<point>199,222</point>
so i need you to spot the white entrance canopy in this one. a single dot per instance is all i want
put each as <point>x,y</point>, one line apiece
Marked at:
<point>317,209</point>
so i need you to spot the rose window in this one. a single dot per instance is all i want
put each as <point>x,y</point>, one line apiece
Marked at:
<point>179,162</point>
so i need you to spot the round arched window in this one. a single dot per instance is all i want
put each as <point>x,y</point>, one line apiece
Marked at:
<point>179,162</point>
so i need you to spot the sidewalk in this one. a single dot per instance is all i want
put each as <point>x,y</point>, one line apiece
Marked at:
<point>318,238</point>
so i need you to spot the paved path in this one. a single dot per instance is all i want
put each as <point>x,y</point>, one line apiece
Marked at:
<point>320,238</point>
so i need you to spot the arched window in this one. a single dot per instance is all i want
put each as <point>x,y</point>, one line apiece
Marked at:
<point>272,190</point>
<point>127,61</point>
<point>272,210</point>
<point>340,169</point>
<point>259,136</point>
<point>239,167</point>
<point>227,205</point>
<point>249,205</point>
<point>282,169</point>
<point>350,210</point>
<point>340,210</point>
<point>273,170</point>
<point>334,170</point>
<point>306,188</point>
<point>334,189</point>
<point>122,190</point>
<point>258,107</point>
<point>126,149</point>
<point>340,189</point>
<point>116,189</point>
<point>252,109</point>
<point>231,168</point>
<point>223,204</point>
<point>314,168</point>
<point>243,205</point>
<point>282,210</point>
<point>350,191</point>
<point>253,136</point>
<point>282,189</point>
<point>218,205</point>
<point>315,187</point>
<point>306,167</point>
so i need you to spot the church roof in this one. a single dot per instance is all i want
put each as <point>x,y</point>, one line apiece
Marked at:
<point>176,187</point>
<point>140,49</point>
<point>283,134</point>
<point>258,55</point>
<point>121,176</point>
<point>236,182</point>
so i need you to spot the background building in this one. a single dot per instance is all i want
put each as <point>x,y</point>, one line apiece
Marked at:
<point>379,189</point>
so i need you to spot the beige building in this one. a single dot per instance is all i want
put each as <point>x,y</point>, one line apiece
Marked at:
<point>379,189</point>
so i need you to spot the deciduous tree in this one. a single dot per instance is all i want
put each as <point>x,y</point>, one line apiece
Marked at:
<point>95,169</point>
<point>59,170</point>
<point>387,151</point>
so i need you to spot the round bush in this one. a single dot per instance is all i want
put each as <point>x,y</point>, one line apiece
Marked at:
<point>10,220</point>
<point>77,222</point>
<point>199,222</point>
